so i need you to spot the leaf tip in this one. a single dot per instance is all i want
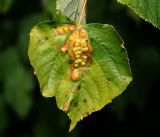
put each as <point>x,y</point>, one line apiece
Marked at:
<point>72,125</point>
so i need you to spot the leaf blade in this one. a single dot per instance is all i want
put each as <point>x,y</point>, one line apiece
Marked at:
<point>93,91</point>
<point>149,10</point>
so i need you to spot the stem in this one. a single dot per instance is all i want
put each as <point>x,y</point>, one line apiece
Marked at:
<point>82,12</point>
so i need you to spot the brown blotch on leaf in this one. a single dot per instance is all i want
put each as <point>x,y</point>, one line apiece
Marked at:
<point>46,38</point>
<point>70,61</point>
<point>76,104</point>
<point>66,95</point>
<point>87,113</point>
<point>85,100</point>
<point>79,87</point>
<point>66,106</point>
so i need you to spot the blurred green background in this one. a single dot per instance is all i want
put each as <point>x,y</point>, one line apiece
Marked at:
<point>23,110</point>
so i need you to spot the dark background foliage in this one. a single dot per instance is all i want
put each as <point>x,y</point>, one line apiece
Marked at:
<point>23,110</point>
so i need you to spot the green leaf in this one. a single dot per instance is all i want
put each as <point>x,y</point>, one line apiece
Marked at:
<point>5,5</point>
<point>149,10</point>
<point>71,8</point>
<point>17,82</point>
<point>105,78</point>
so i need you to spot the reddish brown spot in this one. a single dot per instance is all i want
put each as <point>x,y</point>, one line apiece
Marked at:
<point>89,47</point>
<point>58,48</point>
<point>66,106</point>
<point>71,54</point>
<point>65,47</point>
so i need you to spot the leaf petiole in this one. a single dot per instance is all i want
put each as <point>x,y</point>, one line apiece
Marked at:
<point>82,12</point>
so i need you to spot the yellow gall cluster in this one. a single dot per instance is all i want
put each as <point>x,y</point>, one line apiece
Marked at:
<point>61,30</point>
<point>78,47</point>
<point>80,50</point>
